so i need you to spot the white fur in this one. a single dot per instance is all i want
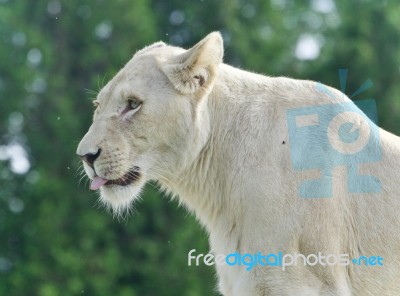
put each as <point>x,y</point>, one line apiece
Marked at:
<point>218,146</point>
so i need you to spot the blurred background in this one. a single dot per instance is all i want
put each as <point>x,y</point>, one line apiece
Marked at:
<point>54,57</point>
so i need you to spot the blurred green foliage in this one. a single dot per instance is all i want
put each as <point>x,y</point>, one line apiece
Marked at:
<point>54,57</point>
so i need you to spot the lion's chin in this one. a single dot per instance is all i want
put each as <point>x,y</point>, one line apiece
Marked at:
<point>118,198</point>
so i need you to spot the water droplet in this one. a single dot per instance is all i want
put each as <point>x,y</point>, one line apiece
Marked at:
<point>103,30</point>
<point>18,159</point>
<point>279,4</point>
<point>177,17</point>
<point>16,118</point>
<point>4,155</point>
<point>323,6</point>
<point>32,177</point>
<point>15,121</point>
<point>312,19</point>
<point>5,264</point>
<point>16,205</point>
<point>38,86</point>
<point>54,7</point>
<point>307,48</point>
<point>266,32</point>
<point>19,39</point>
<point>176,39</point>
<point>248,11</point>
<point>34,57</point>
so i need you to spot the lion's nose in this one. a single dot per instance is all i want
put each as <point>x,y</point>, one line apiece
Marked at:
<point>90,158</point>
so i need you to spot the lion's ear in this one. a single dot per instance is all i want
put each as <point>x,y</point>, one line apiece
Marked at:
<point>196,68</point>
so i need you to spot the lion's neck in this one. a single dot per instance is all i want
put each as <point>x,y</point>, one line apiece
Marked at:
<point>212,185</point>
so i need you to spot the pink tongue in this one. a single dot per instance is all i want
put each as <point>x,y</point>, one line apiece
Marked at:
<point>97,182</point>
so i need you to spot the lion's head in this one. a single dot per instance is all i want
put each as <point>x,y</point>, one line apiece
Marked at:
<point>150,120</point>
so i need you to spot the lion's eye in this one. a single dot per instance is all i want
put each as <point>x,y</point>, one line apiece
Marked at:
<point>134,103</point>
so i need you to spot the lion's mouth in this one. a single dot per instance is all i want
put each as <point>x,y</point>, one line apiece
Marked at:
<point>130,177</point>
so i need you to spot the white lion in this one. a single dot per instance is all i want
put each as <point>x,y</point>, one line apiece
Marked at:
<point>218,137</point>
